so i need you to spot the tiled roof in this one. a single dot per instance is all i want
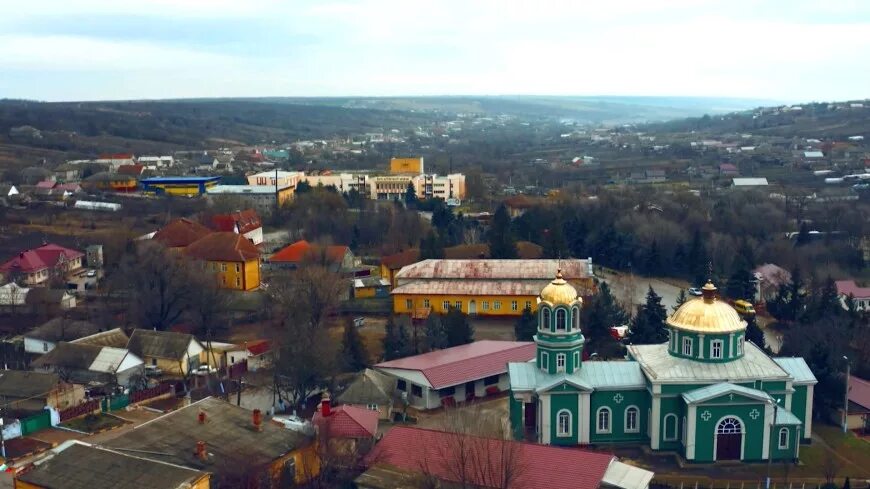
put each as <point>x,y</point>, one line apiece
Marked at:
<point>132,170</point>
<point>452,366</point>
<point>846,287</point>
<point>495,269</point>
<point>180,233</point>
<point>46,256</point>
<point>76,465</point>
<point>859,392</point>
<point>69,355</point>
<point>247,221</point>
<point>223,247</point>
<point>302,250</point>
<point>114,337</point>
<point>798,369</point>
<point>659,365</point>
<point>542,466</point>
<point>348,421</point>
<point>401,259</point>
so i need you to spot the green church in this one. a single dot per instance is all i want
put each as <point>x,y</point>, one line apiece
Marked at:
<point>706,394</point>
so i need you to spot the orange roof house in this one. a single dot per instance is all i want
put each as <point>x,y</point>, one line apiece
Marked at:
<point>233,257</point>
<point>303,251</point>
<point>180,233</point>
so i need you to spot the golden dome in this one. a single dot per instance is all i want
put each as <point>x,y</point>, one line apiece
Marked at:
<point>559,291</point>
<point>707,315</point>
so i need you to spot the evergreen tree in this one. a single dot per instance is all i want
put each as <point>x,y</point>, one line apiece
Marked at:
<point>555,245</point>
<point>526,326</point>
<point>411,196</point>
<point>302,187</point>
<point>803,236</point>
<point>431,246</point>
<point>603,313</point>
<point>457,328</point>
<point>754,333</point>
<point>741,285</point>
<point>436,336</point>
<point>395,341</point>
<point>682,298</point>
<point>696,259</point>
<point>648,327</point>
<point>653,260</point>
<point>353,352</point>
<point>502,243</point>
<point>825,302</point>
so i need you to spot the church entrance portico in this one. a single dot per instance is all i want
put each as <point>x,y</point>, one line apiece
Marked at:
<point>729,439</point>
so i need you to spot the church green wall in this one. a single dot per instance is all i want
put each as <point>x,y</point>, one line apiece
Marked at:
<point>516,417</point>
<point>558,402</point>
<point>753,430</point>
<point>793,437</point>
<point>704,345</point>
<point>639,398</point>
<point>799,403</point>
<point>569,358</point>
<point>676,406</point>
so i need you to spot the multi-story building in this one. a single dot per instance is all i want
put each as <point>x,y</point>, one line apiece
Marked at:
<point>264,198</point>
<point>39,265</point>
<point>284,178</point>
<point>232,257</point>
<point>343,182</point>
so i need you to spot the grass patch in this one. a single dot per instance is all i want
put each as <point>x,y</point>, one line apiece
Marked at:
<point>93,423</point>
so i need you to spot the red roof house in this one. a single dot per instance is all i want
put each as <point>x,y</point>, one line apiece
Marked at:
<point>302,251</point>
<point>223,247</point>
<point>180,233</point>
<point>245,222</point>
<point>443,376</point>
<point>345,421</point>
<point>131,170</point>
<point>443,455</point>
<point>48,184</point>
<point>37,265</point>
<point>849,287</point>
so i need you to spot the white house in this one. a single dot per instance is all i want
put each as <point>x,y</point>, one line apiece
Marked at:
<point>861,295</point>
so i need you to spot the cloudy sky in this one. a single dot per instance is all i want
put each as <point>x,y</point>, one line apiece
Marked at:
<point>790,50</point>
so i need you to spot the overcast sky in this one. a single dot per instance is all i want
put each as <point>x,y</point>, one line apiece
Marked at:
<point>791,50</point>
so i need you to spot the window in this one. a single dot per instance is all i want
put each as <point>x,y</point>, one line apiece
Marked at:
<point>545,319</point>
<point>238,281</point>
<point>409,304</point>
<point>445,305</point>
<point>447,391</point>
<point>238,267</point>
<point>458,305</point>
<point>496,305</point>
<point>716,349</point>
<point>373,407</point>
<point>545,360</point>
<point>740,345</point>
<point>603,425</point>
<point>631,420</point>
<point>223,267</point>
<point>426,303</point>
<point>575,318</point>
<point>224,279</point>
<point>491,380</point>
<point>401,385</point>
<point>576,360</point>
<point>416,391</point>
<point>44,346</point>
<point>515,306</point>
<point>563,426</point>
<point>528,305</point>
<point>687,347</point>
<point>560,362</point>
<point>671,427</point>
<point>485,305</point>
<point>561,320</point>
<point>783,438</point>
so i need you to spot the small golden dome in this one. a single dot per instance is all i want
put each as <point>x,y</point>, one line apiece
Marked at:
<point>559,291</point>
<point>707,314</point>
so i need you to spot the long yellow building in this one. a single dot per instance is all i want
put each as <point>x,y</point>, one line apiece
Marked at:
<point>482,287</point>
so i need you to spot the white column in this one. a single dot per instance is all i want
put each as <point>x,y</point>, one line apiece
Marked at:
<point>730,346</point>
<point>768,427</point>
<point>701,346</point>
<point>690,433</point>
<point>654,422</point>
<point>808,421</point>
<point>545,419</point>
<point>788,388</point>
<point>585,417</point>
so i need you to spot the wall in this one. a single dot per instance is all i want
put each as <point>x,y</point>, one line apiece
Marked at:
<point>558,402</point>
<point>799,404</point>
<point>753,429</point>
<point>436,303</point>
<point>794,434</point>
<point>406,165</point>
<point>637,398</point>
<point>35,346</point>
<point>246,278</point>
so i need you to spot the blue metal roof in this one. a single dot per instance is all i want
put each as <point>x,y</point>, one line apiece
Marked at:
<point>592,376</point>
<point>786,417</point>
<point>797,367</point>
<point>717,390</point>
<point>180,179</point>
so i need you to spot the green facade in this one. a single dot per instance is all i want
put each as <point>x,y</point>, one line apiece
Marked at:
<point>567,401</point>
<point>618,402</point>
<point>753,429</point>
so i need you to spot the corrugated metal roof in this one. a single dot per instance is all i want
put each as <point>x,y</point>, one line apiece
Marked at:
<point>473,287</point>
<point>613,374</point>
<point>592,375</point>
<point>625,476</point>
<point>798,369</point>
<point>661,366</point>
<point>786,417</point>
<point>523,376</point>
<point>721,389</point>
<point>495,269</point>
<point>452,366</point>
<point>108,360</point>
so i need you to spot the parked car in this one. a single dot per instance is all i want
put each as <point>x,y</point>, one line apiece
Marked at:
<point>91,273</point>
<point>204,370</point>
<point>359,322</point>
<point>153,370</point>
<point>695,291</point>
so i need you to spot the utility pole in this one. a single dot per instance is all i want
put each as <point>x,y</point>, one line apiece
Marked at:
<point>277,197</point>
<point>770,444</point>
<point>846,396</point>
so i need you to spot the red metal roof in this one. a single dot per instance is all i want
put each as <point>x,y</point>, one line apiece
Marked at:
<point>247,220</point>
<point>302,249</point>
<point>230,247</point>
<point>846,287</point>
<point>349,421</point>
<point>46,256</point>
<point>460,364</point>
<point>859,392</point>
<point>401,259</point>
<point>534,466</point>
<point>258,347</point>
<point>133,170</point>
<point>46,184</point>
<point>180,232</point>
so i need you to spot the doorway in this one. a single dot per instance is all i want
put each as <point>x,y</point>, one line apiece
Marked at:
<point>472,307</point>
<point>729,439</point>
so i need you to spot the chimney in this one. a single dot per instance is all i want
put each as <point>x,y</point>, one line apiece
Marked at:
<point>201,417</point>
<point>200,451</point>
<point>257,418</point>
<point>325,407</point>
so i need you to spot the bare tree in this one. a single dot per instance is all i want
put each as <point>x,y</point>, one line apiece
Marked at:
<point>830,467</point>
<point>208,307</point>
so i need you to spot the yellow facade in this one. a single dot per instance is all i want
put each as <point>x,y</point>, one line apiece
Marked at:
<point>364,292</point>
<point>286,194</point>
<point>237,275</point>
<point>406,165</point>
<point>389,274</point>
<point>307,464</point>
<point>484,305</point>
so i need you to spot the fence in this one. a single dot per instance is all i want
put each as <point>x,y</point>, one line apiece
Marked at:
<point>36,422</point>
<point>710,483</point>
<point>80,410</point>
<point>114,403</point>
<point>145,394</point>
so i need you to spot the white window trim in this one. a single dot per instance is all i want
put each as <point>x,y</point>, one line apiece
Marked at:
<point>740,341</point>
<point>598,420</point>
<point>564,358</point>
<point>545,360</point>
<point>687,342</point>
<point>721,349</point>
<point>559,432</point>
<point>563,323</point>
<point>576,360</point>
<point>636,428</point>
<point>667,436</point>
<point>575,318</point>
<point>779,439</point>
<point>545,319</point>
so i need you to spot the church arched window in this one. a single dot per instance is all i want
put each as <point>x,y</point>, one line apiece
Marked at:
<point>670,427</point>
<point>575,318</point>
<point>783,438</point>
<point>602,424</point>
<point>561,320</point>
<point>564,425</point>
<point>632,420</point>
<point>545,318</point>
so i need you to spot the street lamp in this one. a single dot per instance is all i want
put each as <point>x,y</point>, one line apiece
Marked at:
<point>846,397</point>
<point>775,404</point>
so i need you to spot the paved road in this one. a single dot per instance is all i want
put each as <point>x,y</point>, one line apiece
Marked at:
<point>632,289</point>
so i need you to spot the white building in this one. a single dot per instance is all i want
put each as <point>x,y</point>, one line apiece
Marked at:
<point>153,162</point>
<point>285,178</point>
